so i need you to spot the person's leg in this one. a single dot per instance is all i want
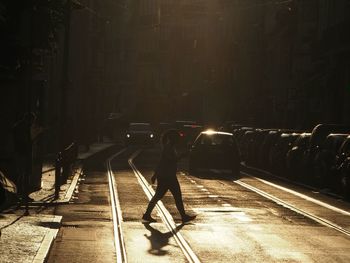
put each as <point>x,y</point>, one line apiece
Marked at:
<point>176,192</point>
<point>160,192</point>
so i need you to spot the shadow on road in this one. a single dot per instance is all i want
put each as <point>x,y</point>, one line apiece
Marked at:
<point>159,240</point>
<point>52,225</point>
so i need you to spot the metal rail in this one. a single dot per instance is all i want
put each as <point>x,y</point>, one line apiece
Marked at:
<point>116,212</point>
<point>305,197</point>
<point>294,208</point>
<point>164,213</point>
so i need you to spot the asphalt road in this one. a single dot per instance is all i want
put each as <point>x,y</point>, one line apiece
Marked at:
<point>234,224</point>
<point>238,219</point>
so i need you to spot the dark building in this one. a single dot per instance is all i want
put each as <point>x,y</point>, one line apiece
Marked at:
<point>61,60</point>
<point>263,63</point>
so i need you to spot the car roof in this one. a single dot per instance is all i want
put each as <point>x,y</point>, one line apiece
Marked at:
<point>211,132</point>
<point>140,123</point>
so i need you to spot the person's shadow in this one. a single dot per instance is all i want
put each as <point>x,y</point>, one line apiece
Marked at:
<point>159,240</point>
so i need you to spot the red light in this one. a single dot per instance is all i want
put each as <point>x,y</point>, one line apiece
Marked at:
<point>181,134</point>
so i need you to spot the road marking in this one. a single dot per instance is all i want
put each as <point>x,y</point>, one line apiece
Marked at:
<point>116,212</point>
<point>163,212</point>
<point>305,197</point>
<point>320,220</point>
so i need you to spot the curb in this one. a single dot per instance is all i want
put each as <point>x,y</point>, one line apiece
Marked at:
<point>45,246</point>
<point>49,238</point>
<point>47,242</point>
<point>72,186</point>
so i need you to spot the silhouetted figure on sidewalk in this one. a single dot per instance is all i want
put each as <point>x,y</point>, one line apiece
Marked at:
<point>165,174</point>
<point>25,131</point>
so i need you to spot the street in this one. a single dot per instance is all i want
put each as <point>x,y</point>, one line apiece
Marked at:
<point>174,131</point>
<point>246,219</point>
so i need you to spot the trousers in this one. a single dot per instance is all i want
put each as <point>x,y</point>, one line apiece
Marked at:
<point>162,187</point>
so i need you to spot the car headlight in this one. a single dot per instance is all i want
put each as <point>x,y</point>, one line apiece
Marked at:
<point>128,135</point>
<point>151,135</point>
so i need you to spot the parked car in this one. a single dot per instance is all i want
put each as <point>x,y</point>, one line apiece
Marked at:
<point>265,147</point>
<point>295,155</point>
<point>214,149</point>
<point>254,146</point>
<point>244,144</point>
<point>239,133</point>
<point>230,126</point>
<point>278,153</point>
<point>344,170</point>
<point>324,163</point>
<point>139,133</point>
<point>344,151</point>
<point>318,137</point>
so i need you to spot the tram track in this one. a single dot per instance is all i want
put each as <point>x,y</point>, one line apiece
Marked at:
<point>116,212</point>
<point>256,184</point>
<point>280,195</point>
<point>280,201</point>
<point>164,213</point>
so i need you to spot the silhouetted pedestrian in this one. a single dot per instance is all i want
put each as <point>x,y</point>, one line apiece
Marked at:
<point>165,174</point>
<point>25,131</point>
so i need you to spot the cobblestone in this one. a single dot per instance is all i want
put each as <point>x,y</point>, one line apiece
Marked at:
<point>22,236</point>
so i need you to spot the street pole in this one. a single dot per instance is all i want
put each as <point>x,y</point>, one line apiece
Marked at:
<point>28,77</point>
<point>65,78</point>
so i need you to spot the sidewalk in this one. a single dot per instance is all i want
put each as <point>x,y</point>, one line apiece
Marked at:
<point>28,238</point>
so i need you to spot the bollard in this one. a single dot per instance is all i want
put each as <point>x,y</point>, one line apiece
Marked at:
<point>63,166</point>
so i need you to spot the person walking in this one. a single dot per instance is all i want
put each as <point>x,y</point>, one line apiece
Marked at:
<point>165,174</point>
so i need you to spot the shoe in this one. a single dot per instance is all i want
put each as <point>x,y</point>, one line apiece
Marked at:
<point>187,218</point>
<point>148,218</point>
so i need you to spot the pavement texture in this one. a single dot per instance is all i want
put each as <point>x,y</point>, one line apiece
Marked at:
<point>28,238</point>
<point>86,233</point>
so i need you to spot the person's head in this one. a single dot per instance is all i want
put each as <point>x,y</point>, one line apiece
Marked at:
<point>170,136</point>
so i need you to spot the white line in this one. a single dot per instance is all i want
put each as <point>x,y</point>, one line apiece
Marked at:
<point>293,208</point>
<point>164,213</point>
<point>116,213</point>
<point>310,199</point>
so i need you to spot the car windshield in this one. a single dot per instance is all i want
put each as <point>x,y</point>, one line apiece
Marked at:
<point>216,139</point>
<point>140,127</point>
